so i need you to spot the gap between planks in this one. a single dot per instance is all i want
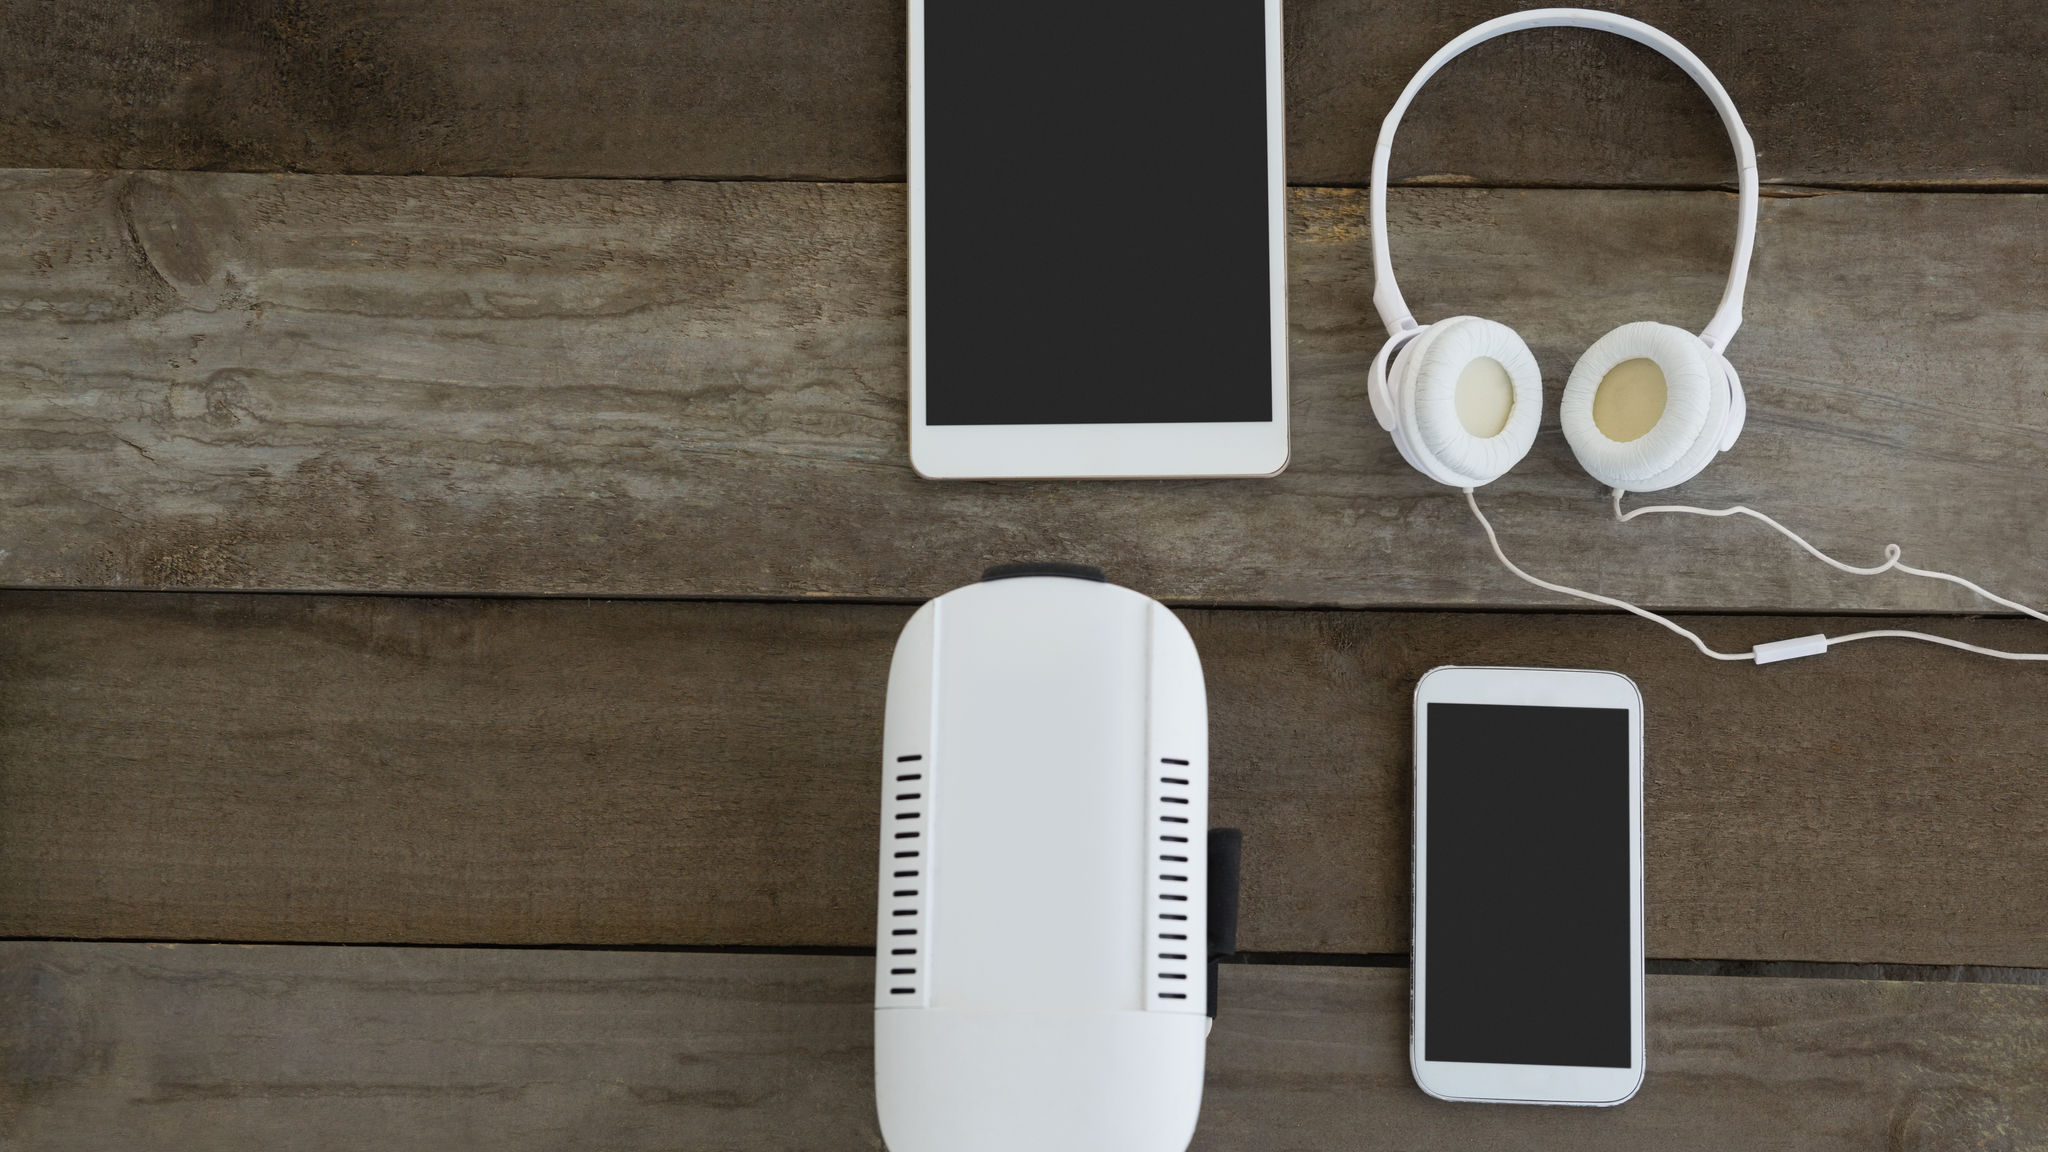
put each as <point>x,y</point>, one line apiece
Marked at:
<point>1655,966</point>
<point>1563,608</point>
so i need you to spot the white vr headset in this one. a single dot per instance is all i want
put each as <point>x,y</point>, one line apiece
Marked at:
<point>1052,903</point>
<point>1416,379</point>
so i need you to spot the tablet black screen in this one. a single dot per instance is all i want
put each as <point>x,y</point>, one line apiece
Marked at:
<point>1096,212</point>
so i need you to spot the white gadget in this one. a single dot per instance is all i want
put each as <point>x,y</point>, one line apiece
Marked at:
<point>1043,931</point>
<point>1646,408</point>
<point>1528,961</point>
<point>1463,396</point>
<point>1068,318</point>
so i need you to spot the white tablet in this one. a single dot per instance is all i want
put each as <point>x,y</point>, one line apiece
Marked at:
<point>1097,239</point>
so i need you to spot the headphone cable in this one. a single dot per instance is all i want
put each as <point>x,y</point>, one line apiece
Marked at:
<point>1774,651</point>
<point>1891,551</point>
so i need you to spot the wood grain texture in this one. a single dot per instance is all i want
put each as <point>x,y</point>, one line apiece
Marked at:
<point>1901,92</point>
<point>254,1048</point>
<point>612,387</point>
<point>704,88</point>
<point>400,770</point>
<point>1317,1058</point>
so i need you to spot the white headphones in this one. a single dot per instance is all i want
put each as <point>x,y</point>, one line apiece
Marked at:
<point>1446,377</point>
<point>1418,397</point>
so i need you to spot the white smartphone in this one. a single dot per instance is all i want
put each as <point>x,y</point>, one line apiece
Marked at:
<point>1528,963</point>
<point>1098,279</point>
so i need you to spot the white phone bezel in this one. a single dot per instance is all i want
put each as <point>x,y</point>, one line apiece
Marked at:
<point>1046,451</point>
<point>1528,1083</point>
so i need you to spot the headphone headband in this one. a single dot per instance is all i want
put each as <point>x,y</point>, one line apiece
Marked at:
<point>1386,294</point>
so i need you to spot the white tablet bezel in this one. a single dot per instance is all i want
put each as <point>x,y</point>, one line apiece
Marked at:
<point>1190,449</point>
<point>1527,1083</point>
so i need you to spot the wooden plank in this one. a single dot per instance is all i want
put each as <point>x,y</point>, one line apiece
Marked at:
<point>226,1048</point>
<point>1318,1058</point>
<point>1831,95</point>
<point>278,768</point>
<point>613,387</point>
<point>256,1048</point>
<point>705,88</point>
<point>815,88</point>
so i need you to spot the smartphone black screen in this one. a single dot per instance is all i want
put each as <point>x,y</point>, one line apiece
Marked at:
<point>1096,212</point>
<point>1527,903</point>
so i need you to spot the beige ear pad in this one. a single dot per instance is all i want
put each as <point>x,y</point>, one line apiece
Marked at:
<point>1469,398</point>
<point>1644,407</point>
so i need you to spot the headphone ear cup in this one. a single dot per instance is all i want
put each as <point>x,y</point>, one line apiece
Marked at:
<point>1474,359</point>
<point>1738,404</point>
<point>1684,435</point>
<point>1400,382</point>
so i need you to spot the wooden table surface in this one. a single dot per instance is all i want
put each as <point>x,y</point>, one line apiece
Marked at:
<point>455,513</point>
